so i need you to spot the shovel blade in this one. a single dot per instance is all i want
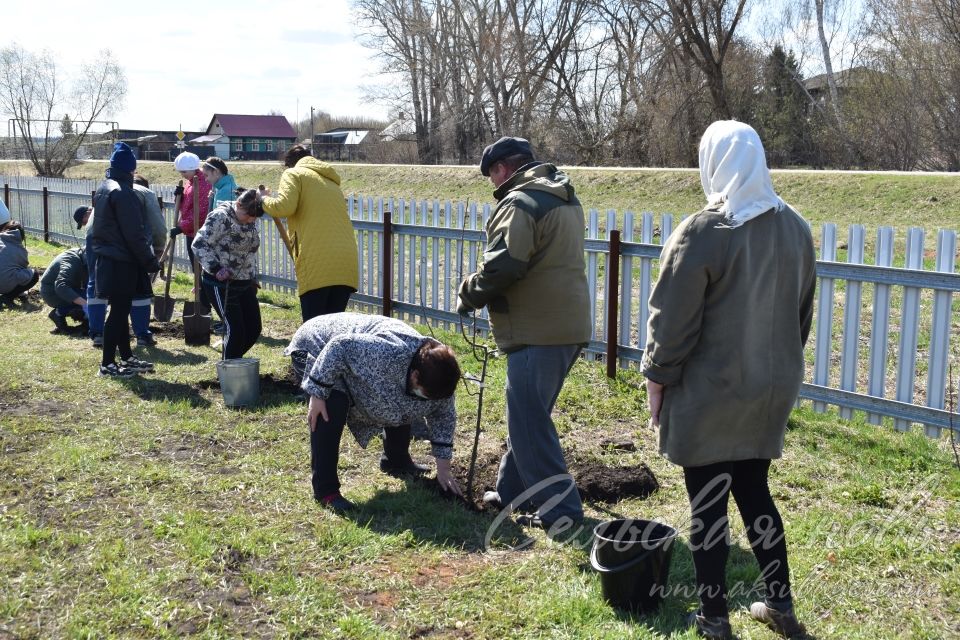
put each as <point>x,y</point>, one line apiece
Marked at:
<point>162,308</point>
<point>196,330</point>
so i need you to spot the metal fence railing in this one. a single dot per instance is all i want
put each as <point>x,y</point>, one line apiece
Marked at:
<point>882,338</point>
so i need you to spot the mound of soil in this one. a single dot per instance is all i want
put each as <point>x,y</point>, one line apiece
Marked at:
<point>596,481</point>
<point>169,329</point>
<point>287,385</point>
<point>599,483</point>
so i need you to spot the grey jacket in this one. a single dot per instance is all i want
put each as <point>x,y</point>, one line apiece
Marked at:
<point>368,358</point>
<point>157,229</point>
<point>532,280</point>
<point>729,317</point>
<point>14,269</point>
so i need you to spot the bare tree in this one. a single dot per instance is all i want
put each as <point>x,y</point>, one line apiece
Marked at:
<point>705,29</point>
<point>33,96</point>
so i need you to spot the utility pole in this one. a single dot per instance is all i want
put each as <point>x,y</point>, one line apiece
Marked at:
<point>312,134</point>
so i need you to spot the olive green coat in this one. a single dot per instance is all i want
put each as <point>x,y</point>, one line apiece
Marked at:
<point>729,317</point>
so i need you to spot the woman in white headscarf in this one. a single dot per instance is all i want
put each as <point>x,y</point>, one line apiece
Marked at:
<point>729,317</point>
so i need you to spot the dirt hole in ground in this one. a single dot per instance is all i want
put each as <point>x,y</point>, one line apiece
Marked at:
<point>596,481</point>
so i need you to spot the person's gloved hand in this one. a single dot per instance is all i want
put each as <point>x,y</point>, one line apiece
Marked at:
<point>178,191</point>
<point>224,274</point>
<point>463,309</point>
<point>175,231</point>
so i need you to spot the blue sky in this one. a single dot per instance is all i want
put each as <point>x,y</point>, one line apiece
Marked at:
<point>189,60</point>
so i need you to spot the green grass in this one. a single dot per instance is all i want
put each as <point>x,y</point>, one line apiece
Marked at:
<point>147,509</point>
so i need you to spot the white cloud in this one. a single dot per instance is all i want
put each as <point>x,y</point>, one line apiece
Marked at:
<point>186,61</point>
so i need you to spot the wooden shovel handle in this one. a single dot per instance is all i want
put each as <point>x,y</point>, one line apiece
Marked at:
<point>282,230</point>
<point>196,228</point>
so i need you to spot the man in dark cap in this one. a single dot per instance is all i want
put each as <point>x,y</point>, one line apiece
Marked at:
<point>62,287</point>
<point>124,258</point>
<point>533,284</point>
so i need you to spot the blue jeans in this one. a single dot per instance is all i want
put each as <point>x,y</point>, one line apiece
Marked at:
<point>533,473</point>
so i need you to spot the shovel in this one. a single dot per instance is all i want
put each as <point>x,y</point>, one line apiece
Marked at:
<point>163,305</point>
<point>196,319</point>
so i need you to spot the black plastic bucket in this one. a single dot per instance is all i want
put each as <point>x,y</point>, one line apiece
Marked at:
<point>633,560</point>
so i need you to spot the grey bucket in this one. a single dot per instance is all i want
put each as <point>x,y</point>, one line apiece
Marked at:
<point>239,381</point>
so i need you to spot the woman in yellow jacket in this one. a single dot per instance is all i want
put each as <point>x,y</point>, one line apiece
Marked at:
<point>322,240</point>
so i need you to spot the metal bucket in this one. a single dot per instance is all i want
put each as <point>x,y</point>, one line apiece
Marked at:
<point>239,381</point>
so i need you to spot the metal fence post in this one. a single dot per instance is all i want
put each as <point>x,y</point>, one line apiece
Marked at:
<point>93,199</point>
<point>6,195</point>
<point>387,261</point>
<point>613,286</point>
<point>46,216</point>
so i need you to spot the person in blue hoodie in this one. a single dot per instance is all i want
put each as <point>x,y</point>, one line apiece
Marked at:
<point>124,261</point>
<point>224,186</point>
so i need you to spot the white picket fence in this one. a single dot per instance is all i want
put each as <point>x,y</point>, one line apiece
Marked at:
<point>882,339</point>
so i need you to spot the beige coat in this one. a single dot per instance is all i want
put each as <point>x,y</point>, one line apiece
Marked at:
<point>729,317</point>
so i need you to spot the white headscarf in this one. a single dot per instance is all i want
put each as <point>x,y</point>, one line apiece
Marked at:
<point>733,171</point>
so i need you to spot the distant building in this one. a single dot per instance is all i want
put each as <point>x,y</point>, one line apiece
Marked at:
<point>148,144</point>
<point>342,144</point>
<point>819,88</point>
<point>403,129</point>
<point>249,137</point>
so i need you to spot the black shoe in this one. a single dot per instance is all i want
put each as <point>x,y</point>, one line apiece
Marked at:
<point>136,364</point>
<point>113,371</point>
<point>59,321</point>
<point>336,503</point>
<point>713,627</point>
<point>146,340</point>
<point>406,468</point>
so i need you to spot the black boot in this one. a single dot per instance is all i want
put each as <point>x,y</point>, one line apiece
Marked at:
<point>59,321</point>
<point>396,459</point>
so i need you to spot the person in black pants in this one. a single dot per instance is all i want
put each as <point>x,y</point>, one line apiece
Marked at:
<point>124,259</point>
<point>226,247</point>
<point>729,317</point>
<point>375,375</point>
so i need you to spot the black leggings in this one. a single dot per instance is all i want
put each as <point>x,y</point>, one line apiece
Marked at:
<point>320,302</point>
<point>325,445</point>
<point>708,488</point>
<point>237,304</point>
<point>116,330</point>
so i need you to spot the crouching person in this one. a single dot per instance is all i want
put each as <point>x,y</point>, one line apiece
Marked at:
<point>16,275</point>
<point>374,374</point>
<point>62,287</point>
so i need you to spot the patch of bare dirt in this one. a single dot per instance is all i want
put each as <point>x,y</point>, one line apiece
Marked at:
<point>596,481</point>
<point>168,329</point>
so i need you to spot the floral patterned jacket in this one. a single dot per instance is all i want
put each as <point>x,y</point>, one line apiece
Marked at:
<point>223,242</point>
<point>368,358</point>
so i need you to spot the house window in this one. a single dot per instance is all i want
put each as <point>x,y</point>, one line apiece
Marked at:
<point>237,145</point>
<point>269,145</point>
<point>255,145</point>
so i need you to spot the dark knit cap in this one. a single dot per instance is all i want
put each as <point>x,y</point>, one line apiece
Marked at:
<point>503,148</point>
<point>79,214</point>
<point>123,158</point>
